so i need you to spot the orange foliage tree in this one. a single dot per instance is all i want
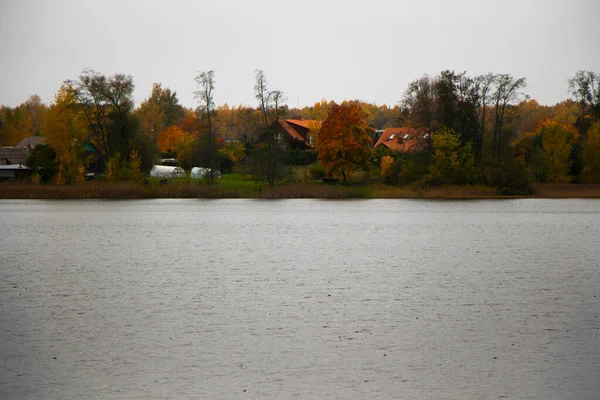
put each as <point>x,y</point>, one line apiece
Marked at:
<point>168,138</point>
<point>343,143</point>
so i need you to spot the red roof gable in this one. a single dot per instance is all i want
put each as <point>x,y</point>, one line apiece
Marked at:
<point>404,140</point>
<point>306,123</point>
<point>290,129</point>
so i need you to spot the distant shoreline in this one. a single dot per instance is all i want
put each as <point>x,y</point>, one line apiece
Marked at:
<point>125,191</point>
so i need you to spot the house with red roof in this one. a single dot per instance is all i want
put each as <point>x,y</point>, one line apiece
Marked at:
<point>403,140</point>
<point>294,133</point>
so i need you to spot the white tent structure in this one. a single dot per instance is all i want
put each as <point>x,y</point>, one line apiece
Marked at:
<point>164,171</point>
<point>203,173</point>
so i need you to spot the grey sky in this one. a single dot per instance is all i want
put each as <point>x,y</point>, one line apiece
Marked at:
<point>310,49</point>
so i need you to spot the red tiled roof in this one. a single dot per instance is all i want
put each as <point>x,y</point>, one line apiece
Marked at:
<point>290,129</point>
<point>404,140</point>
<point>306,123</point>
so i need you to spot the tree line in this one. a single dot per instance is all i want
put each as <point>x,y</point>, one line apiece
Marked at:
<point>479,130</point>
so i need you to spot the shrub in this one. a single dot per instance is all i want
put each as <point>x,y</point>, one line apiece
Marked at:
<point>316,171</point>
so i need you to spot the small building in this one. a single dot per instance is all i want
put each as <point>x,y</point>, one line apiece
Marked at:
<point>204,173</point>
<point>293,133</point>
<point>403,140</point>
<point>13,161</point>
<point>14,172</point>
<point>13,155</point>
<point>166,172</point>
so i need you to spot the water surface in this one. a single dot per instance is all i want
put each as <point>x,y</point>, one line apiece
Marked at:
<point>309,299</point>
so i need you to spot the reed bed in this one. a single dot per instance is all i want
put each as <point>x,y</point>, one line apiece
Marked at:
<point>121,190</point>
<point>567,190</point>
<point>127,190</point>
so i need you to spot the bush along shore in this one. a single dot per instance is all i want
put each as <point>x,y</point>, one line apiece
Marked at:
<point>258,190</point>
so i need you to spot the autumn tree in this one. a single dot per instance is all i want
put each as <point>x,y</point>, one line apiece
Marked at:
<point>159,111</point>
<point>169,138</point>
<point>453,161</point>
<point>35,114</point>
<point>237,122</point>
<point>527,115</point>
<point>565,112</point>
<point>557,144</point>
<point>66,131</point>
<point>22,121</point>
<point>547,152</point>
<point>193,128</point>
<point>591,155</point>
<point>344,141</point>
<point>585,87</point>
<point>234,153</point>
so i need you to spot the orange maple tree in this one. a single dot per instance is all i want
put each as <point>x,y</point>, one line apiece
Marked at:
<point>343,143</point>
<point>168,138</point>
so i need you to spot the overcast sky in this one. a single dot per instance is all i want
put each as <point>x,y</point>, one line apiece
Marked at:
<point>310,49</point>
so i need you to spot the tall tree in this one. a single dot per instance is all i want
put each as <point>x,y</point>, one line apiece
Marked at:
<point>447,98</point>
<point>484,84</point>
<point>344,141</point>
<point>505,94</point>
<point>269,157</point>
<point>107,104</point>
<point>208,150</point>
<point>585,88</point>
<point>262,94</point>
<point>420,101</point>
<point>457,97</point>
<point>279,99</point>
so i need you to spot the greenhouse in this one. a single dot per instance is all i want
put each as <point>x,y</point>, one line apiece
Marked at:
<point>203,173</point>
<point>164,171</point>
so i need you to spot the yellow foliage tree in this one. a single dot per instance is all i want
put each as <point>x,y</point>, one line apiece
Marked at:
<point>591,155</point>
<point>185,150</point>
<point>453,163</point>
<point>546,153</point>
<point>135,166</point>
<point>387,162</point>
<point>66,130</point>
<point>235,152</point>
<point>557,143</point>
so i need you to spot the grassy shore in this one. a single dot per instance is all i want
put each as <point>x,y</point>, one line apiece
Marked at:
<point>242,186</point>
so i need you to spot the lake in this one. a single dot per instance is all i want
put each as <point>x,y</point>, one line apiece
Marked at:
<point>306,299</point>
